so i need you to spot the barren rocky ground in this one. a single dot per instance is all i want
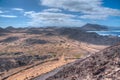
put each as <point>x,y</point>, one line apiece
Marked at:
<point>21,49</point>
<point>104,65</point>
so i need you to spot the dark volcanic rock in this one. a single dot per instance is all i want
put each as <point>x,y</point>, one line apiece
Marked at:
<point>104,65</point>
<point>10,39</point>
<point>7,63</point>
<point>2,34</point>
<point>36,41</point>
<point>33,31</point>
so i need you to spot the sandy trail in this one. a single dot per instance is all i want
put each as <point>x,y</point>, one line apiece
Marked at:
<point>47,75</point>
<point>38,70</point>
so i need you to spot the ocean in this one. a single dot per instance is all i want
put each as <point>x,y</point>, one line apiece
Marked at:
<point>110,32</point>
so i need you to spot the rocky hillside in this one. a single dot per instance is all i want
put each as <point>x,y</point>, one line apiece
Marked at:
<point>93,27</point>
<point>88,37</point>
<point>104,65</point>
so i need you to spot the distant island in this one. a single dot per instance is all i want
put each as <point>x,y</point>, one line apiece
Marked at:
<point>94,27</point>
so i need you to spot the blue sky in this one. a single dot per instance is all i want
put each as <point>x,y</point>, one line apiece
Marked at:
<point>24,13</point>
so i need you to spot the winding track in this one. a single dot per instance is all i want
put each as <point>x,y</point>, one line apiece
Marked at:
<point>36,70</point>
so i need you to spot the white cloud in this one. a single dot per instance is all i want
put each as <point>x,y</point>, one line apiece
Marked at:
<point>89,9</point>
<point>52,19</point>
<point>72,5</point>
<point>48,15</point>
<point>18,9</point>
<point>101,13</point>
<point>52,10</point>
<point>8,16</point>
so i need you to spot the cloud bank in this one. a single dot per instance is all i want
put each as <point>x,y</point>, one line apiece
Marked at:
<point>52,19</point>
<point>90,9</point>
<point>63,13</point>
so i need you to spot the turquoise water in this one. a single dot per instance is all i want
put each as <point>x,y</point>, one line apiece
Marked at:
<point>104,33</point>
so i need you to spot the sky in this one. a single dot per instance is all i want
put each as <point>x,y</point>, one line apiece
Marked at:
<point>68,13</point>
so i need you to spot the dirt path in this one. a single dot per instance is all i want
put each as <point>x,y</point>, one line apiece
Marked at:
<point>38,70</point>
<point>47,75</point>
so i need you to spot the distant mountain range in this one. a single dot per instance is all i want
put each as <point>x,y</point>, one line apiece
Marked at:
<point>3,30</point>
<point>86,27</point>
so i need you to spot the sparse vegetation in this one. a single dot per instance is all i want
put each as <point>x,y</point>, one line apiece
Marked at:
<point>79,55</point>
